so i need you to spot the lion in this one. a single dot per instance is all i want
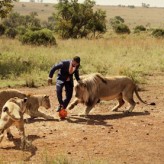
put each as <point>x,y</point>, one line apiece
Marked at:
<point>33,103</point>
<point>95,88</point>
<point>12,114</point>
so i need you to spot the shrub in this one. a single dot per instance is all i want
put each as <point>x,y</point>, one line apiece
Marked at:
<point>117,24</point>
<point>13,65</point>
<point>11,32</point>
<point>121,28</point>
<point>41,37</point>
<point>131,6</point>
<point>159,33</point>
<point>21,30</point>
<point>116,20</point>
<point>2,29</point>
<point>139,29</point>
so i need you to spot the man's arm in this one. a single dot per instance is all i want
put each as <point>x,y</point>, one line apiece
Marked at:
<point>53,69</point>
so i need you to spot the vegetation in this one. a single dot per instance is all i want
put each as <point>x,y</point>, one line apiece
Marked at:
<point>2,29</point>
<point>118,26</point>
<point>39,37</point>
<point>139,28</point>
<point>6,7</point>
<point>75,20</point>
<point>159,33</point>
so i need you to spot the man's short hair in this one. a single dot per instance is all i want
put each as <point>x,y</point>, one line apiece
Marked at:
<point>77,59</point>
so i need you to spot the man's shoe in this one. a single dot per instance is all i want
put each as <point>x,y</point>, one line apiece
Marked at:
<point>59,108</point>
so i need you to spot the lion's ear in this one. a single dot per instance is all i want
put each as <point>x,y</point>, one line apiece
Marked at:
<point>25,99</point>
<point>46,96</point>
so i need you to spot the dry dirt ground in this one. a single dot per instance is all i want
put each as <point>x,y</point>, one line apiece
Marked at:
<point>105,137</point>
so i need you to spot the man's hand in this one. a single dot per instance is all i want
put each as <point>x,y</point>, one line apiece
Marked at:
<point>49,81</point>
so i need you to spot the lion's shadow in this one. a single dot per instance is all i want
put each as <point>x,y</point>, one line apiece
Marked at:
<point>98,119</point>
<point>17,142</point>
<point>32,120</point>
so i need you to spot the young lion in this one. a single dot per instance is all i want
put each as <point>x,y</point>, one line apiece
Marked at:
<point>12,114</point>
<point>33,103</point>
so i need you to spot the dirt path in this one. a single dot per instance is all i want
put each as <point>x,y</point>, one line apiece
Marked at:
<point>105,137</point>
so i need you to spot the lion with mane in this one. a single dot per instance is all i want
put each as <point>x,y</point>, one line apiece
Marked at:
<point>94,88</point>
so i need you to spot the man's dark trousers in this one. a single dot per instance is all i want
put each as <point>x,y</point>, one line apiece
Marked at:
<point>68,90</point>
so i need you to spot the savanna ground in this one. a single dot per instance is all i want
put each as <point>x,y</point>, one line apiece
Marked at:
<point>106,136</point>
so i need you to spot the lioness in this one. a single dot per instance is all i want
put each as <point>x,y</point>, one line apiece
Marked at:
<point>12,114</point>
<point>96,87</point>
<point>33,103</point>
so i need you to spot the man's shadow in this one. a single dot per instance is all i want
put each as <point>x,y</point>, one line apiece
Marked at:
<point>98,119</point>
<point>32,149</point>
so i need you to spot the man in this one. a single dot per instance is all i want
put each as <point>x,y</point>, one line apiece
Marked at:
<point>65,79</point>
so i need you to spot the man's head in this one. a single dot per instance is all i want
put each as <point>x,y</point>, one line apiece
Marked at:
<point>76,61</point>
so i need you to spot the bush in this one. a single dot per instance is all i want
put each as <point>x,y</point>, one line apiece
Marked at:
<point>2,29</point>
<point>11,32</point>
<point>116,20</point>
<point>121,29</point>
<point>21,30</point>
<point>159,33</point>
<point>41,37</point>
<point>139,29</point>
<point>13,65</point>
<point>117,24</point>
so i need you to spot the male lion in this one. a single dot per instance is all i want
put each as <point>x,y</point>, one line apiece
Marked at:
<point>32,105</point>
<point>95,87</point>
<point>12,114</point>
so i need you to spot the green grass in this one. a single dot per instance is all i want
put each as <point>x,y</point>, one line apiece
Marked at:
<point>130,55</point>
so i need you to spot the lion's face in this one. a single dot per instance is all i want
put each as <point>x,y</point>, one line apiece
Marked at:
<point>46,102</point>
<point>80,90</point>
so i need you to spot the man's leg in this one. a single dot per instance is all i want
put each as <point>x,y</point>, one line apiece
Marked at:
<point>59,88</point>
<point>69,91</point>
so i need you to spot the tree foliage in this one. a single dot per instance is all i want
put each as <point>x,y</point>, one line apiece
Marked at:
<point>76,20</point>
<point>28,21</point>
<point>6,7</point>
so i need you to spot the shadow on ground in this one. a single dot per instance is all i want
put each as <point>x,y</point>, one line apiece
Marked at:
<point>32,120</point>
<point>101,119</point>
<point>32,149</point>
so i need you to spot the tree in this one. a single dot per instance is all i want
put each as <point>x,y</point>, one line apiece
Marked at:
<point>28,21</point>
<point>145,5</point>
<point>76,20</point>
<point>5,7</point>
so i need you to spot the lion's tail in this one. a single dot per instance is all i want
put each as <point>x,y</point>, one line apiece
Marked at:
<point>138,96</point>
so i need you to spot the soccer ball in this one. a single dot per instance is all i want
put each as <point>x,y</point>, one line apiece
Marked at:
<point>62,113</point>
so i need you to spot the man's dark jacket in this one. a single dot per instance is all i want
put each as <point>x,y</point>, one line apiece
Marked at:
<point>63,73</point>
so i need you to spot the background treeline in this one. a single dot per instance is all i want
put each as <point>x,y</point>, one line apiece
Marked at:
<point>71,20</point>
